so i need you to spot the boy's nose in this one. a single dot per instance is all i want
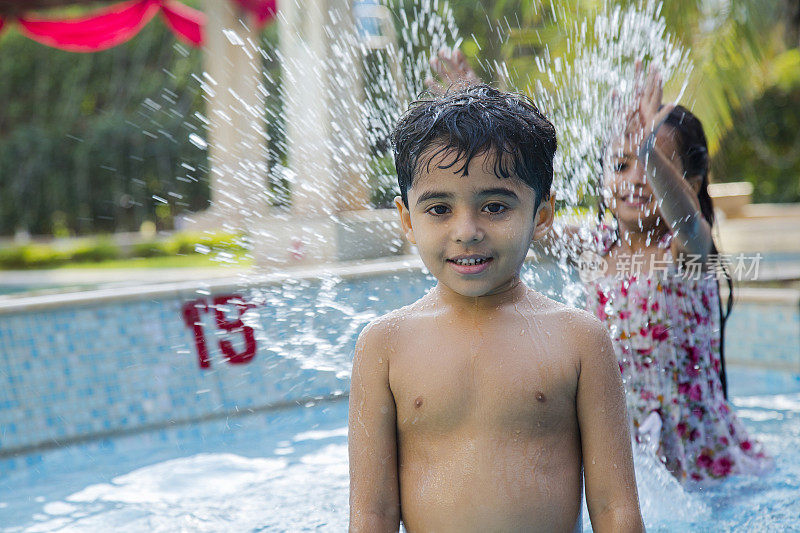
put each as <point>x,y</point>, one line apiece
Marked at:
<point>467,229</point>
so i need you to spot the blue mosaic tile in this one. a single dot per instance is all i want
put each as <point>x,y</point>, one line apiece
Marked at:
<point>71,372</point>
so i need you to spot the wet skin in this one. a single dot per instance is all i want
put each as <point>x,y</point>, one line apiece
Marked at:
<point>650,202</point>
<point>634,204</point>
<point>473,408</point>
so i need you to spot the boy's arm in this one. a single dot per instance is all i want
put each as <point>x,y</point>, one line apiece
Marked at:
<point>372,438</point>
<point>611,495</point>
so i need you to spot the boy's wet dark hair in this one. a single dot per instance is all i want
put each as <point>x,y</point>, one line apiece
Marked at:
<point>470,121</point>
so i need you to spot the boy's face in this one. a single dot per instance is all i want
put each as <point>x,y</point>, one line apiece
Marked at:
<point>473,231</point>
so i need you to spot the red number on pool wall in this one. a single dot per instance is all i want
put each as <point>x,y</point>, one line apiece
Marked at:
<point>235,326</point>
<point>191,316</point>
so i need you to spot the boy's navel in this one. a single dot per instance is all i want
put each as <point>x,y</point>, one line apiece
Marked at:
<point>540,397</point>
<point>418,402</point>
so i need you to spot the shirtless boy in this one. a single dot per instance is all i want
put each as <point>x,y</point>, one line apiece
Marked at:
<point>476,407</point>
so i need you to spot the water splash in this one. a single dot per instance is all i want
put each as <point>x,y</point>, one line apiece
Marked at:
<point>399,71</point>
<point>311,324</point>
<point>578,86</point>
<point>372,86</point>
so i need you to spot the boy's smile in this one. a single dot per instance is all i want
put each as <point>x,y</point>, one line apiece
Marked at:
<point>472,232</point>
<point>470,264</point>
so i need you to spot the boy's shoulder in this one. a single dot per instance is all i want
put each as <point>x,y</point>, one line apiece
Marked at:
<point>581,330</point>
<point>560,310</point>
<point>579,319</point>
<point>421,309</point>
<point>386,328</point>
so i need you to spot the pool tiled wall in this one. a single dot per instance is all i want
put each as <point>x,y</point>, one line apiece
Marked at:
<point>79,371</point>
<point>108,364</point>
<point>764,332</point>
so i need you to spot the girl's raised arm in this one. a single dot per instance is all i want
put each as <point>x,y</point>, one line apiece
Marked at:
<point>677,198</point>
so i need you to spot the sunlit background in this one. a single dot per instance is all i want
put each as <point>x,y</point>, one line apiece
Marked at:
<point>196,222</point>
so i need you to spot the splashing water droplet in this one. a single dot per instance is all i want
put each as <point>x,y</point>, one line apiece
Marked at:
<point>198,141</point>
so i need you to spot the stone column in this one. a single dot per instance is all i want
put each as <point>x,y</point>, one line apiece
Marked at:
<point>322,63</point>
<point>326,146</point>
<point>236,135</point>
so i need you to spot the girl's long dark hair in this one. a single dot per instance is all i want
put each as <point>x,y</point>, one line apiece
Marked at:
<point>693,148</point>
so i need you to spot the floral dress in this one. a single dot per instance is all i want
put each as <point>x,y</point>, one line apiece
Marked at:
<point>665,327</point>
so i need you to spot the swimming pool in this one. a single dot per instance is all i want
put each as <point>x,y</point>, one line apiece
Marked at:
<point>286,470</point>
<point>110,420</point>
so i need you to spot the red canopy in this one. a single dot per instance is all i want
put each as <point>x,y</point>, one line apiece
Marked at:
<point>113,25</point>
<point>264,10</point>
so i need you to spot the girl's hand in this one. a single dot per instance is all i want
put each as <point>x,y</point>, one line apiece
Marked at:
<point>450,68</point>
<point>648,111</point>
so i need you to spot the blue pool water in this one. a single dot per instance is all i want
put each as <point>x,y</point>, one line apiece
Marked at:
<point>98,366</point>
<point>286,470</point>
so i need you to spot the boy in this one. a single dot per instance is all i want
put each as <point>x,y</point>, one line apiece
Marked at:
<point>474,408</point>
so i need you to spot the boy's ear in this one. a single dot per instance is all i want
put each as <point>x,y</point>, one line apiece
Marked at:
<point>544,217</point>
<point>405,219</point>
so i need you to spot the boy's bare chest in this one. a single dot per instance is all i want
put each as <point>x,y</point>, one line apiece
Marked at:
<point>444,380</point>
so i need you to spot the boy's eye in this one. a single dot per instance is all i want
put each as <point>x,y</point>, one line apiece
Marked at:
<point>437,210</point>
<point>622,166</point>
<point>495,208</point>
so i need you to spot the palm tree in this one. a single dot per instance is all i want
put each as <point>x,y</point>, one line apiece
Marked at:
<point>739,49</point>
<point>735,46</point>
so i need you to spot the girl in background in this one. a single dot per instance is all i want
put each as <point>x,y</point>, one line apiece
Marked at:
<point>660,296</point>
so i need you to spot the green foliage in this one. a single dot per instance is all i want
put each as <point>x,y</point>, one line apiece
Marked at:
<point>482,41</point>
<point>763,146</point>
<point>383,181</point>
<point>99,142</point>
<point>189,243</point>
<point>94,251</point>
<point>153,249</point>
<point>786,70</point>
<point>102,249</point>
<point>87,140</point>
<point>186,243</point>
<point>31,256</point>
